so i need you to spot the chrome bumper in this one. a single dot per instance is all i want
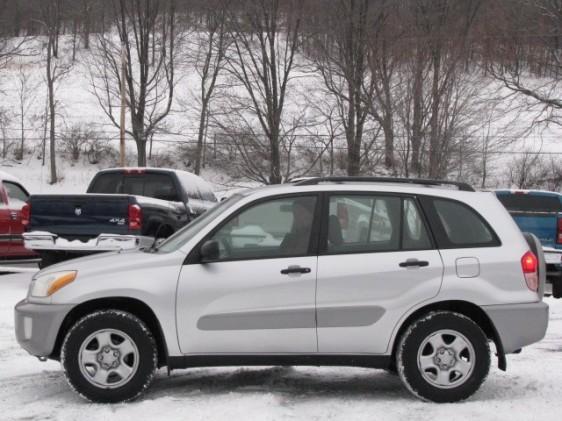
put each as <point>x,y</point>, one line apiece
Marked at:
<point>40,240</point>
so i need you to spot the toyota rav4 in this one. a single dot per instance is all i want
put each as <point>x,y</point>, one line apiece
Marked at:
<point>415,276</point>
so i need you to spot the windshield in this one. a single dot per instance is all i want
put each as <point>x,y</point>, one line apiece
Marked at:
<point>186,233</point>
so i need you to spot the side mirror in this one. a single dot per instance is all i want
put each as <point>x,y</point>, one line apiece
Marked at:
<point>209,251</point>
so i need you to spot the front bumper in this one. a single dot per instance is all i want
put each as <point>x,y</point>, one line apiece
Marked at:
<point>37,326</point>
<point>519,325</point>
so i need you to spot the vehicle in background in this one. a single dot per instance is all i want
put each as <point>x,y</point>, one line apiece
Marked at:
<point>540,213</point>
<point>13,197</point>
<point>410,276</point>
<point>123,208</point>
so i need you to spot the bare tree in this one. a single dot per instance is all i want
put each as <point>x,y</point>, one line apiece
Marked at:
<point>26,98</point>
<point>76,138</point>
<point>4,122</point>
<point>147,39</point>
<point>55,70</point>
<point>342,59</point>
<point>265,41</point>
<point>207,53</point>
<point>520,56</point>
<point>526,171</point>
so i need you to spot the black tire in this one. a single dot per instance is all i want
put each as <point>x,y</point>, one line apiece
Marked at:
<point>557,287</point>
<point>416,336</point>
<point>120,321</point>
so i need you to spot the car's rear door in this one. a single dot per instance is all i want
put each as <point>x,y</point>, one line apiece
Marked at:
<point>377,261</point>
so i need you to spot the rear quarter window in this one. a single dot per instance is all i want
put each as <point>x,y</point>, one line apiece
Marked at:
<point>457,225</point>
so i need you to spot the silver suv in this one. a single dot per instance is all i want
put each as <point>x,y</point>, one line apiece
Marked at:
<point>412,276</point>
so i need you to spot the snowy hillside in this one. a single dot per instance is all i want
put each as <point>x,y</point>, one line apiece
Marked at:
<point>506,122</point>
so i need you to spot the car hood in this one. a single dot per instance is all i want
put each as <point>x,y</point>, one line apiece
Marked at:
<point>113,262</point>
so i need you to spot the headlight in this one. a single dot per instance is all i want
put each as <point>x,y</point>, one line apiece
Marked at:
<point>48,284</point>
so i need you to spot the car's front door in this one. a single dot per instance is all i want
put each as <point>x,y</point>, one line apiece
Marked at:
<point>377,262</point>
<point>258,295</point>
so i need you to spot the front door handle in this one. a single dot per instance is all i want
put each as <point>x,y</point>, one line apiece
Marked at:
<point>414,263</point>
<point>294,269</point>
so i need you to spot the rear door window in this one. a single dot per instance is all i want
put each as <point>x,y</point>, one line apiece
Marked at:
<point>456,225</point>
<point>133,185</point>
<point>375,223</point>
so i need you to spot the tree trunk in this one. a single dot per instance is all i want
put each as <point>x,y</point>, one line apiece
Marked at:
<point>141,152</point>
<point>52,113</point>
<point>434,141</point>
<point>417,118</point>
<point>200,136</point>
<point>388,130</point>
<point>275,172</point>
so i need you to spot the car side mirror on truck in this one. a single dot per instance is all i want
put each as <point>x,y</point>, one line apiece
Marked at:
<point>209,251</point>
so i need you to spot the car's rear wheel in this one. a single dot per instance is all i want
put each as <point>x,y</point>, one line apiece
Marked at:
<point>109,356</point>
<point>443,357</point>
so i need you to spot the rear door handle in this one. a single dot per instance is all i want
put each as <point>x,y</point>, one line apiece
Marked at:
<point>414,263</point>
<point>14,216</point>
<point>294,269</point>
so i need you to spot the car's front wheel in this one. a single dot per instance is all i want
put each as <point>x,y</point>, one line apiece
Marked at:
<point>109,356</point>
<point>443,357</point>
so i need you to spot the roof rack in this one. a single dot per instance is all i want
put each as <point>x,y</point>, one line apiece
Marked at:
<point>348,179</point>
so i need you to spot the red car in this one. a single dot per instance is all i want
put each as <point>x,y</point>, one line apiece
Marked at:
<point>12,198</point>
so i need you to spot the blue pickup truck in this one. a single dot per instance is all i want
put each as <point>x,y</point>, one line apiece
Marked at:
<point>540,213</point>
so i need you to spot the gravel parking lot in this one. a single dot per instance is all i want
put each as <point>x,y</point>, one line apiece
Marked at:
<point>30,389</point>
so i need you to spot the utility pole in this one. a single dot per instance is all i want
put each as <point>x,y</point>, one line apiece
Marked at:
<point>123,105</point>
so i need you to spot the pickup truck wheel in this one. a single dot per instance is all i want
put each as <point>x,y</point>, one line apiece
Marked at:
<point>443,357</point>
<point>557,287</point>
<point>109,356</point>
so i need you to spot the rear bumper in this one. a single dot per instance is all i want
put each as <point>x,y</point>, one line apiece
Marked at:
<point>519,325</point>
<point>37,326</point>
<point>42,241</point>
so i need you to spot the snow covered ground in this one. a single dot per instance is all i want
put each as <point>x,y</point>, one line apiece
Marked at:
<point>31,390</point>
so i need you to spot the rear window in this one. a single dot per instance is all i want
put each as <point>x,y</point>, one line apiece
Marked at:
<point>530,203</point>
<point>159,186</point>
<point>111,183</point>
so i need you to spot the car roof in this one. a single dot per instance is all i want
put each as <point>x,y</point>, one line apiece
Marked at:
<point>386,187</point>
<point>4,176</point>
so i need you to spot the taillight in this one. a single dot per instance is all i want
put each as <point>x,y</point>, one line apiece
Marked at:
<point>25,215</point>
<point>530,266</point>
<point>559,232</point>
<point>135,217</point>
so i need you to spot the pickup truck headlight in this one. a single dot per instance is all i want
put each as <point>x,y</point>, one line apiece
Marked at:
<point>48,284</point>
